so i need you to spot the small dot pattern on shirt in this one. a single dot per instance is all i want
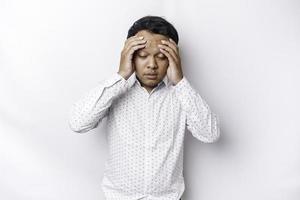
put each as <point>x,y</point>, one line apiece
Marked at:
<point>145,134</point>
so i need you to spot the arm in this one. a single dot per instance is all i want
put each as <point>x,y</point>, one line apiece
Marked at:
<point>200,120</point>
<point>94,106</point>
<point>87,112</point>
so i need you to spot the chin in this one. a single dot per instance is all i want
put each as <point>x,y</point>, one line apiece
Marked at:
<point>152,81</point>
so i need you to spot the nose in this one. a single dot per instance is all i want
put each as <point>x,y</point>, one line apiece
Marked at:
<point>152,63</point>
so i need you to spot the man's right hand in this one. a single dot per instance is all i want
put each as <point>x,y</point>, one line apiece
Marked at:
<point>132,44</point>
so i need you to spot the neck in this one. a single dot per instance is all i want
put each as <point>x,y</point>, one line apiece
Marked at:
<point>149,89</point>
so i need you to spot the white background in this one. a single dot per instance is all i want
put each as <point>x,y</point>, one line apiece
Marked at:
<point>241,56</point>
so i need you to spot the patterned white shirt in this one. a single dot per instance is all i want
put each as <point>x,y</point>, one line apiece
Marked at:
<point>145,133</point>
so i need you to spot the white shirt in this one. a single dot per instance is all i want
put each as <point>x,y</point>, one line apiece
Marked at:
<point>145,133</point>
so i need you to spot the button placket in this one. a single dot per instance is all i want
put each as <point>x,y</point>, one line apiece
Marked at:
<point>148,140</point>
<point>148,137</point>
<point>145,118</point>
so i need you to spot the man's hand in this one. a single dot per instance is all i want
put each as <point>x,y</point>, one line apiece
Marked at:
<point>171,50</point>
<point>132,44</point>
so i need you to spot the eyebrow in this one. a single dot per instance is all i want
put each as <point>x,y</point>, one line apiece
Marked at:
<point>143,50</point>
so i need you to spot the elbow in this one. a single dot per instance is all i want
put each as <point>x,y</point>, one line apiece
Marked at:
<point>77,130</point>
<point>210,137</point>
<point>215,130</point>
<point>77,127</point>
<point>75,122</point>
<point>215,136</point>
<point>206,136</point>
<point>81,128</point>
<point>212,134</point>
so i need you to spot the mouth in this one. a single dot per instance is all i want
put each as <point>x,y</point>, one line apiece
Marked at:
<point>151,76</point>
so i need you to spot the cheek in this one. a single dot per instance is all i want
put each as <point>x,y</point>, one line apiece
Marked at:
<point>163,68</point>
<point>139,61</point>
<point>139,64</point>
<point>163,63</point>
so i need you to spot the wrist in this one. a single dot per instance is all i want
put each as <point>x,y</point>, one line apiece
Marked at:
<point>124,74</point>
<point>178,80</point>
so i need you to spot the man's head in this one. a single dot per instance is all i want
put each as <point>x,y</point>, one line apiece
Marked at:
<point>150,60</point>
<point>156,25</point>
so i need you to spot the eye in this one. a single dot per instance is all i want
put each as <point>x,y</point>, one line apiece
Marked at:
<point>161,56</point>
<point>142,55</point>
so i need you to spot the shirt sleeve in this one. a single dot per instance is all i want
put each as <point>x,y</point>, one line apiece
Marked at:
<point>92,107</point>
<point>200,120</point>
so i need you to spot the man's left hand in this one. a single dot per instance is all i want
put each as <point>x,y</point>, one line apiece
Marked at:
<point>171,50</point>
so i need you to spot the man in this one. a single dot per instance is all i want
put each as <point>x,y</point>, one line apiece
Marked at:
<point>148,104</point>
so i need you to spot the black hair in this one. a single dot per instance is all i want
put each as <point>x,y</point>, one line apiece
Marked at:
<point>154,24</point>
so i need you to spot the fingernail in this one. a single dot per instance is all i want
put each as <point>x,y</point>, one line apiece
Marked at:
<point>163,41</point>
<point>141,37</point>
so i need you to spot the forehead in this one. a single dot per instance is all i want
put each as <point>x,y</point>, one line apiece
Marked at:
<point>153,39</point>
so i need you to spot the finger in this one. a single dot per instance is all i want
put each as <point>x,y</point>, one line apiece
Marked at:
<point>174,43</point>
<point>133,38</point>
<point>171,44</point>
<point>134,43</point>
<point>170,51</point>
<point>169,56</point>
<point>134,48</point>
<point>130,39</point>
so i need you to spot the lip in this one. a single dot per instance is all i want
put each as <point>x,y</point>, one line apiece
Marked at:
<point>151,76</point>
